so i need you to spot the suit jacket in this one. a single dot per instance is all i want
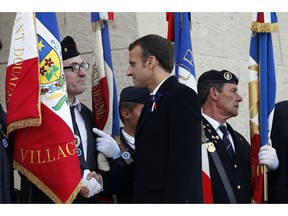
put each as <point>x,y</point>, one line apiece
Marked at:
<point>119,179</point>
<point>6,170</point>
<point>278,179</point>
<point>238,171</point>
<point>168,148</point>
<point>31,194</point>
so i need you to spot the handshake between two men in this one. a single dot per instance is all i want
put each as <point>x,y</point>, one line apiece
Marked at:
<point>91,181</point>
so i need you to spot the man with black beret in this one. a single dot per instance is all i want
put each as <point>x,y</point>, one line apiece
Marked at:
<point>219,97</point>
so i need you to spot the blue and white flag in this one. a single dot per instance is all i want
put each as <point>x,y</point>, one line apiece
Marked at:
<point>184,62</point>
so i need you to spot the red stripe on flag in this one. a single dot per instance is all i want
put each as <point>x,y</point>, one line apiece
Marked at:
<point>170,34</point>
<point>21,78</point>
<point>110,15</point>
<point>100,103</point>
<point>207,189</point>
<point>257,178</point>
<point>260,17</point>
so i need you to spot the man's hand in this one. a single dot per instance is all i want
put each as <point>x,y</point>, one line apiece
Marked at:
<point>268,156</point>
<point>106,144</point>
<point>90,184</point>
<point>94,175</point>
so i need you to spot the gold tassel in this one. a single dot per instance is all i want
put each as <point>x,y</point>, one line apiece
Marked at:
<point>33,122</point>
<point>100,24</point>
<point>264,27</point>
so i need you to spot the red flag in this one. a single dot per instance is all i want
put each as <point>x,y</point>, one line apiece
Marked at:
<point>39,124</point>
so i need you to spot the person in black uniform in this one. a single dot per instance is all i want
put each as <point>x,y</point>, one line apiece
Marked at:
<point>131,103</point>
<point>75,70</point>
<point>218,93</point>
<point>168,133</point>
<point>119,179</point>
<point>278,179</point>
<point>6,170</point>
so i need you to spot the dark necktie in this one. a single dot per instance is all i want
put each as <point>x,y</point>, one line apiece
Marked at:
<point>77,135</point>
<point>228,144</point>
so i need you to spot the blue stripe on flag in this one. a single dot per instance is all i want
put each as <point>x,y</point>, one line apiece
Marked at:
<point>95,16</point>
<point>183,44</point>
<point>262,53</point>
<point>267,84</point>
<point>49,20</point>
<point>108,60</point>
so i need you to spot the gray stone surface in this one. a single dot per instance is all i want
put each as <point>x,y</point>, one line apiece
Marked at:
<point>219,40</point>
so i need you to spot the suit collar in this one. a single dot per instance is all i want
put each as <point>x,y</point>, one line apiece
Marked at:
<point>146,113</point>
<point>213,136</point>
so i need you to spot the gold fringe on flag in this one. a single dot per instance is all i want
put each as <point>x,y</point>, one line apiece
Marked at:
<point>43,187</point>
<point>33,122</point>
<point>264,27</point>
<point>100,24</point>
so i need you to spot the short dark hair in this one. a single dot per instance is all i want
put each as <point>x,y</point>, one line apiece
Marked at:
<point>126,105</point>
<point>203,90</point>
<point>160,47</point>
<point>216,79</point>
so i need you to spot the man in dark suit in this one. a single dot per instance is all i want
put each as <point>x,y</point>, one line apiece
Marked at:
<point>168,134</point>
<point>219,97</point>
<point>75,70</point>
<point>278,179</point>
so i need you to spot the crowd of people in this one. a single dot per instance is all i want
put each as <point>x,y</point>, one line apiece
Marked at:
<point>158,159</point>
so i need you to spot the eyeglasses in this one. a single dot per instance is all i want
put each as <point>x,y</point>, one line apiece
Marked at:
<point>76,67</point>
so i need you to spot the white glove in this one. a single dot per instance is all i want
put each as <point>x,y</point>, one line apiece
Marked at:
<point>93,186</point>
<point>267,156</point>
<point>106,144</point>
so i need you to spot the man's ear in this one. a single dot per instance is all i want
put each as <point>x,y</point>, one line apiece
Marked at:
<point>151,61</point>
<point>214,93</point>
<point>124,113</point>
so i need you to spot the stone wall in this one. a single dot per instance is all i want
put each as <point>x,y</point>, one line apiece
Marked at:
<point>219,40</point>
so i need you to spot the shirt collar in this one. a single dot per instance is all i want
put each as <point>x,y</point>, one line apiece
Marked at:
<point>77,104</point>
<point>213,122</point>
<point>129,139</point>
<point>158,86</point>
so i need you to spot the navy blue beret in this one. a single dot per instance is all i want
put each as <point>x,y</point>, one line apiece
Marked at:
<point>133,94</point>
<point>69,48</point>
<point>214,76</point>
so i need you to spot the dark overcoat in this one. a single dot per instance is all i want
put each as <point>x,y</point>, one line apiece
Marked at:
<point>168,147</point>
<point>278,179</point>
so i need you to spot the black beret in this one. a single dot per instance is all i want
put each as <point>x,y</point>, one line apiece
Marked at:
<point>133,94</point>
<point>69,48</point>
<point>214,76</point>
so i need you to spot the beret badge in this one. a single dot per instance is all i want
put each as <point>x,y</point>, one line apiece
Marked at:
<point>227,76</point>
